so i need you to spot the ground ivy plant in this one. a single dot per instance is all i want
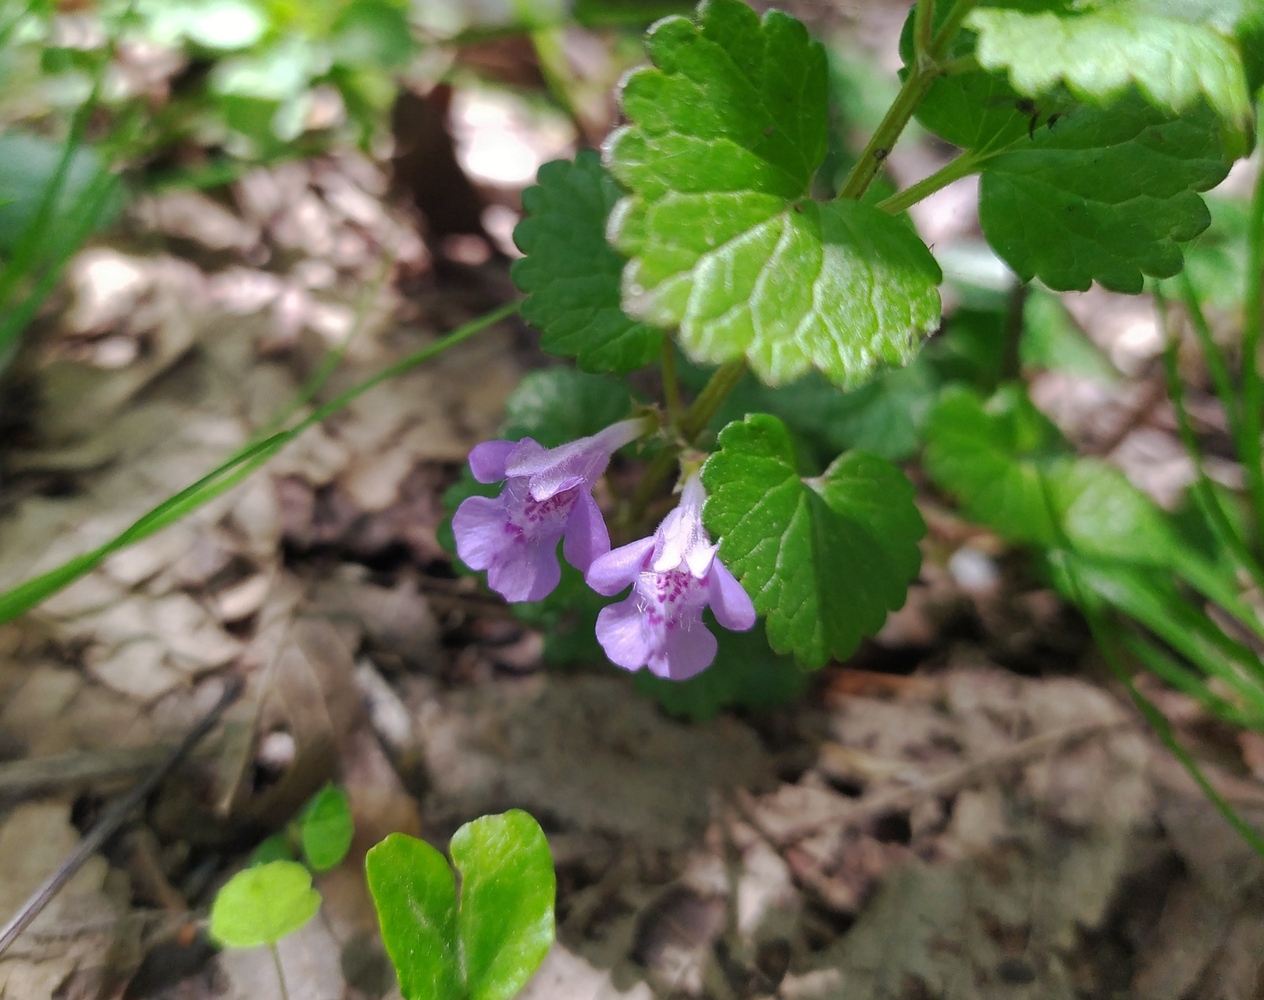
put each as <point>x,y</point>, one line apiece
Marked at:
<point>697,243</point>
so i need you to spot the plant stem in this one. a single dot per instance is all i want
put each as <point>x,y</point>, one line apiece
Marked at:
<point>671,385</point>
<point>710,399</point>
<point>955,67</point>
<point>923,72</point>
<point>923,25</point>
<point>967,163</point>
<point>28,594</point>
<point>276,960</point>
<point>722,382</point>
<point>1252,397</point>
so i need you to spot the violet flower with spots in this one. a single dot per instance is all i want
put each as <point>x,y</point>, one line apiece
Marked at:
<point>675,575</point>
<point>547,496</point>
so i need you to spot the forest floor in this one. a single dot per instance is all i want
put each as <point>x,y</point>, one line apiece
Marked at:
<point>970,808</point>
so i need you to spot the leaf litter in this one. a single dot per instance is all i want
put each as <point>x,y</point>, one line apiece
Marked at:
<point>960,832</point>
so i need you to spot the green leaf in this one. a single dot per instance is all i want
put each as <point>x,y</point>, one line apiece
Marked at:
<point>746,674</point>
<point>507,892</point>
<point>973,110</point>
<point>1216,262</point>
<point>414,893</point>
<point>557,405</point>
<point>979,454</point>
<point>727,129</point>
<point>372,34</point>
<point>571,274</point>
<point>823,559</point>
<point>1008,466</point>
<point>1105,196</point>
<point>223,25</point>
<point>280,72</point>
<point>274,848</point>
<point>1101,52</point>
<point>263,904</point>
<point>883,417</point>
<point>327,828</point>
<point>28,165</point>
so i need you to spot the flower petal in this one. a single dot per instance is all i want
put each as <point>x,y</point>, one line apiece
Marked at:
<point>728,599</point>
<point>479,529</point>
<point>487,460</point>
<point>688,650</point>
<point>622,634</point>
<point>613,571</point>
<point>553,470</point>
<point>526,571</point>
<point>586,536</point>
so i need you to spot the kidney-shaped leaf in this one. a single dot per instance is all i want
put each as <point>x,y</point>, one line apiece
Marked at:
<point>507,894</point>
<point>263,904</point>
<point>824,558</point>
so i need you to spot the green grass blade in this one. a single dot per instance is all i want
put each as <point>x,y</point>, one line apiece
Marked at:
<point>1155,717</point>
<point>1175,674</point>
<point>32,592</point>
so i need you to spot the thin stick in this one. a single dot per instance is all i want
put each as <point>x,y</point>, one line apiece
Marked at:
<point>110,823</point>
<point>947,782</point>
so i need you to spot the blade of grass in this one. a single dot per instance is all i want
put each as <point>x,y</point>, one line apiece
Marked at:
<point>1249,450</point>
<point>1213,356</point>
<point>26,251</point>
<point>250,458</point>
<point>1188,631</point>
<point>1174,673</point>
<point>1159,722</point>
<point>78,226</point>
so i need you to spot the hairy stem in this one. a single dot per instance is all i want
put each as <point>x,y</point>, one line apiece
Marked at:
<point>922,73</point>
<point>671,385</point>
<point>1252,394</point>
<point>967,163</point>
<point>710,399</point>
<point>923,25</point>
<point>708,402</point>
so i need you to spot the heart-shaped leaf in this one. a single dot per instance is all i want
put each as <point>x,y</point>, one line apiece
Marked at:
<point>824,559</point>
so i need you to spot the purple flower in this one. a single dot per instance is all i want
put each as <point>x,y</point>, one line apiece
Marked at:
<point>547,496</point>
<point>675,575</point>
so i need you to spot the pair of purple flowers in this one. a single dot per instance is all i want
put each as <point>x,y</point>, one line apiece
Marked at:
<point>548,495</point>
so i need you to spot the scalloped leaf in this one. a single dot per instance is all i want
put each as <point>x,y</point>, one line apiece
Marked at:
<point>824,559</point>
<point>727,129</point>
<point>1108,195</point>
<point>571,274</point>
<point>1102,52</point>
